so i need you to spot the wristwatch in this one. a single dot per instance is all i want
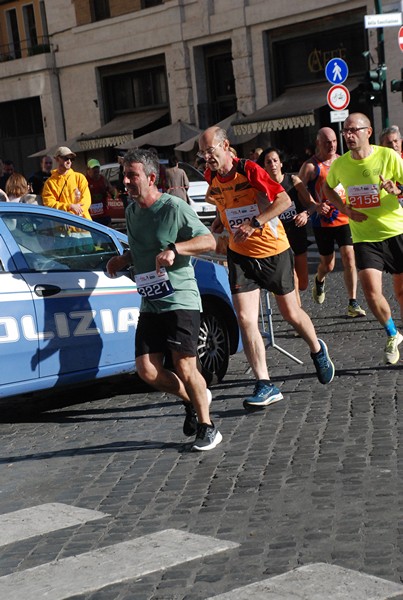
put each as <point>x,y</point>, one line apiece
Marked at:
<point>400,187</point>
<point>255,223</point>
<point>172,247</point>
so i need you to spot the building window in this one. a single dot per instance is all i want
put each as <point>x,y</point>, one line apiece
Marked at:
<point>149,87</point>
<point>218,92</point>
<point>43,19</point>
<point>13,33</point>
<point>30,26</point>
<point>100,10</point>
<point>151,3</point>
<point>136,90</point>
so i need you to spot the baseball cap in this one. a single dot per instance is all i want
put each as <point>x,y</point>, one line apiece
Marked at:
<point>64,152</point>
<point>93,163</point>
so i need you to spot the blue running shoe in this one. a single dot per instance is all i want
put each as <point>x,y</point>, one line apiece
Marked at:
<point>264,394</point>
<point>323,365</point>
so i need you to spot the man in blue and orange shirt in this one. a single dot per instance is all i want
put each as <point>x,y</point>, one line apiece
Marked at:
<point>329,224</point>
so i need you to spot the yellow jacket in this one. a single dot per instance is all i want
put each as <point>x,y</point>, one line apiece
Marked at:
<point>58,191</point>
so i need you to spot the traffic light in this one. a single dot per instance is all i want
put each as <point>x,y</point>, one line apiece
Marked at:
<point>371,89</point>
<point>396,85</point>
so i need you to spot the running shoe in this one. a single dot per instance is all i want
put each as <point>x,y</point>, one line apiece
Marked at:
<point>207,437</point>
<point>355,310</point>
<point>392,353</point>
<point>323,365</point>
<point>318,291</point>
<point>190,422</point>
<point>264,394</point>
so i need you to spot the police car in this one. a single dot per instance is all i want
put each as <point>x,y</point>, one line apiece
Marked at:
<point>63,320</point>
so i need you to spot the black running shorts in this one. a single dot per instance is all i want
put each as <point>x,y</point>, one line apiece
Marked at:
<point>273,273</point>
<point>326,237</point>
<point>383,256</point>
<point>173,330</point>
<point>297,236</point>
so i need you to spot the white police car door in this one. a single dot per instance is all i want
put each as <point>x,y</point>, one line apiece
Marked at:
<point>18,344</point>
<point>85,320</point>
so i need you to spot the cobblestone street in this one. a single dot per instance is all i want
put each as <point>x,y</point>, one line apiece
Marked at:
<point>316,478</point>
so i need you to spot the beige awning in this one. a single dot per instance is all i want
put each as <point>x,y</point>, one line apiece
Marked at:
<point>72,143</point>
<point>224,124</point>
<point>293,109</point>
<point>166,136</point>
<point>120,130</point>
<point>112,134</point>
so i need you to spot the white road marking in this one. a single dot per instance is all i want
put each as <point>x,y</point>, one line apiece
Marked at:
<point>318,581</point>
<point>38,520</point>
<point>94,570</point>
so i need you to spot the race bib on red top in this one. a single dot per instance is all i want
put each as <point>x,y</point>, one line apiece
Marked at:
<point>364,196</point>
<point>241,215</point>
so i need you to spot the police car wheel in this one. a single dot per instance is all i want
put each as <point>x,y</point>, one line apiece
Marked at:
<point>213,348</point>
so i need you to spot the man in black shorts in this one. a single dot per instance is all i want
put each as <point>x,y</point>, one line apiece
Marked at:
<point>369,174</point>
<point>164,232</point>
<point>249,202</point>
<point>330,225</point>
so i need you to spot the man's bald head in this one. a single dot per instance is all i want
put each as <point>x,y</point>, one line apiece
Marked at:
<point>326,143</point>
<point>325,133</point>
<point>214,148</point>
<point>212,135</point>
<point>359,118</point>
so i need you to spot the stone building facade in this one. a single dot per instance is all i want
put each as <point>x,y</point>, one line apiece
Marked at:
<point>98,72</point>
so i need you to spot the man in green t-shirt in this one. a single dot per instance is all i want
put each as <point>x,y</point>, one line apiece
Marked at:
<point>369,175</point>
<point>164,233</point>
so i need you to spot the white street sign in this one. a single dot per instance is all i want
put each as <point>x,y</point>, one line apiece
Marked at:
<point>383,20</point>
<point>338,116</point>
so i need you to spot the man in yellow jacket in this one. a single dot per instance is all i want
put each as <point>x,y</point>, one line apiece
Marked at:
<point>66,189</point>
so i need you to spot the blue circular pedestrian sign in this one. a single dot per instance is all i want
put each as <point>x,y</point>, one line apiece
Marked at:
<point>336,71</point>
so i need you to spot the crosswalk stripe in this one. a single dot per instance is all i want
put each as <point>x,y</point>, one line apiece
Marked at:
<point>317,582</point>
<point>94,570</point>
<point>38,520</point>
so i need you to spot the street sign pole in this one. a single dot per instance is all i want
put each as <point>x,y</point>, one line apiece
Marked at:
<point>381,60</point>
<point>339,116</point>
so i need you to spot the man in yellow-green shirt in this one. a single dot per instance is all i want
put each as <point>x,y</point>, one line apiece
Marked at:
<point>369,175</point>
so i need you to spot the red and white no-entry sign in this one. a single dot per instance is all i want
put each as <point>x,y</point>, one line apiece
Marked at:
<point>400,38</point>
<point>338,97</point>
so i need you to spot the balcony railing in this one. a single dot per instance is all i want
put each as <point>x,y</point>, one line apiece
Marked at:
<point>24,48</point>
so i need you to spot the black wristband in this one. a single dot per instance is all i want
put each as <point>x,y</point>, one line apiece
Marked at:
<point>172,247</point>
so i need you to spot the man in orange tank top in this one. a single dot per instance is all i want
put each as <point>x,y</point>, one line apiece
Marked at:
<point>259,257</point>
<point>330,225</point>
